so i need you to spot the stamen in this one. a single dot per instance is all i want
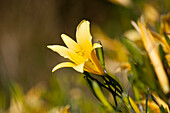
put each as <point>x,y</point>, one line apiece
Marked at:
<point>81,53</point>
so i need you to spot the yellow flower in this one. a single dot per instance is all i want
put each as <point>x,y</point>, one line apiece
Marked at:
<point>165,23</point>
<point>152,50</point>
<point>165,28</point>
<point>82,54</point>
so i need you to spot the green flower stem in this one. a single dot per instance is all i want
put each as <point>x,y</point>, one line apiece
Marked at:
<point>89,76</point>
<point>101,96</point>
<point>110,84</point>
<point>114,83</point>
<point>110,89</point>
<point>146,103</point>
<point>101,55</point>
<point>167,38</point>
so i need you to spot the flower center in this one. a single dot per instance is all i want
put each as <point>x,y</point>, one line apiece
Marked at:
<point>82,57</point>
<point>81,53</point>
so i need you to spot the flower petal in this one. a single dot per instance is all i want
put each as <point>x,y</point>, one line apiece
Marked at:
<point>83,36</point>
<point>64,64</point>
<point>96,45</point>
<point>96,62</point>
<point>70,43</point>
<point>90,67</point>
<point>76,58</point>
<point>149,44</point>
<point>63,51</point>
<point>136,27</point>
<point>79,68</point>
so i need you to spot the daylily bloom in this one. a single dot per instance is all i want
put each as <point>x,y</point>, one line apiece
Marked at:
<point>82,54</point>
<point>165,28</point>
<point>165,23</point>
<point>152,50</point>
<point>159,37</point>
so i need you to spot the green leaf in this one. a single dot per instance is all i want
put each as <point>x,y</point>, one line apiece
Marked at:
<point>89,84</point>
<point>136,93</point>
<point>115,83</point>
<point>134,69</point>
<point>167,38</point>
<point>135,79</point>
<point>147,74</point>
<point>163,110</point>
<point>123,106</point>
<point>102,109</point>
<point>101,55</point>
<point>144,73</point>
<point>162,55</point>
<point>16,92</point>
<point>101,96</point>
<point>134,50</point>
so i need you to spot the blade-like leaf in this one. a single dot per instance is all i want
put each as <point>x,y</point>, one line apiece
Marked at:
<point>101,96</point>
<point>162,55</point>
<point>167,38</point>
<point>89,84</point>
<point>101,55</point>
<point>134,50</point>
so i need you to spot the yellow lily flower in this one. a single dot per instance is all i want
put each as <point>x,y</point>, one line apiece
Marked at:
<point>159,37</point>
<point>152,49</point>
<point>165,23</point>
<point>165,27</point>
<point>82,54</point>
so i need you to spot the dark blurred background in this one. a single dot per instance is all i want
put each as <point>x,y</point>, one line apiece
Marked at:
<point>28,26</point>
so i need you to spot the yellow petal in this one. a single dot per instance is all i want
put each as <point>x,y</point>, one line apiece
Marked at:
<point>165,24</point>
<point>77,57</point>
<point>136,27</point>
<point>91,64</point>
<point>63,51</point>
<point>79,68</point>
<point>96,45</point>
<point>152,49</point>
<point>161,102</point>
<point>64,64</point>
<point>134,106</point>
<point>70,43</point>
<point>126,3</point>
<point>96,62</point>
<point>83,36</point>
<point>90,67</point>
